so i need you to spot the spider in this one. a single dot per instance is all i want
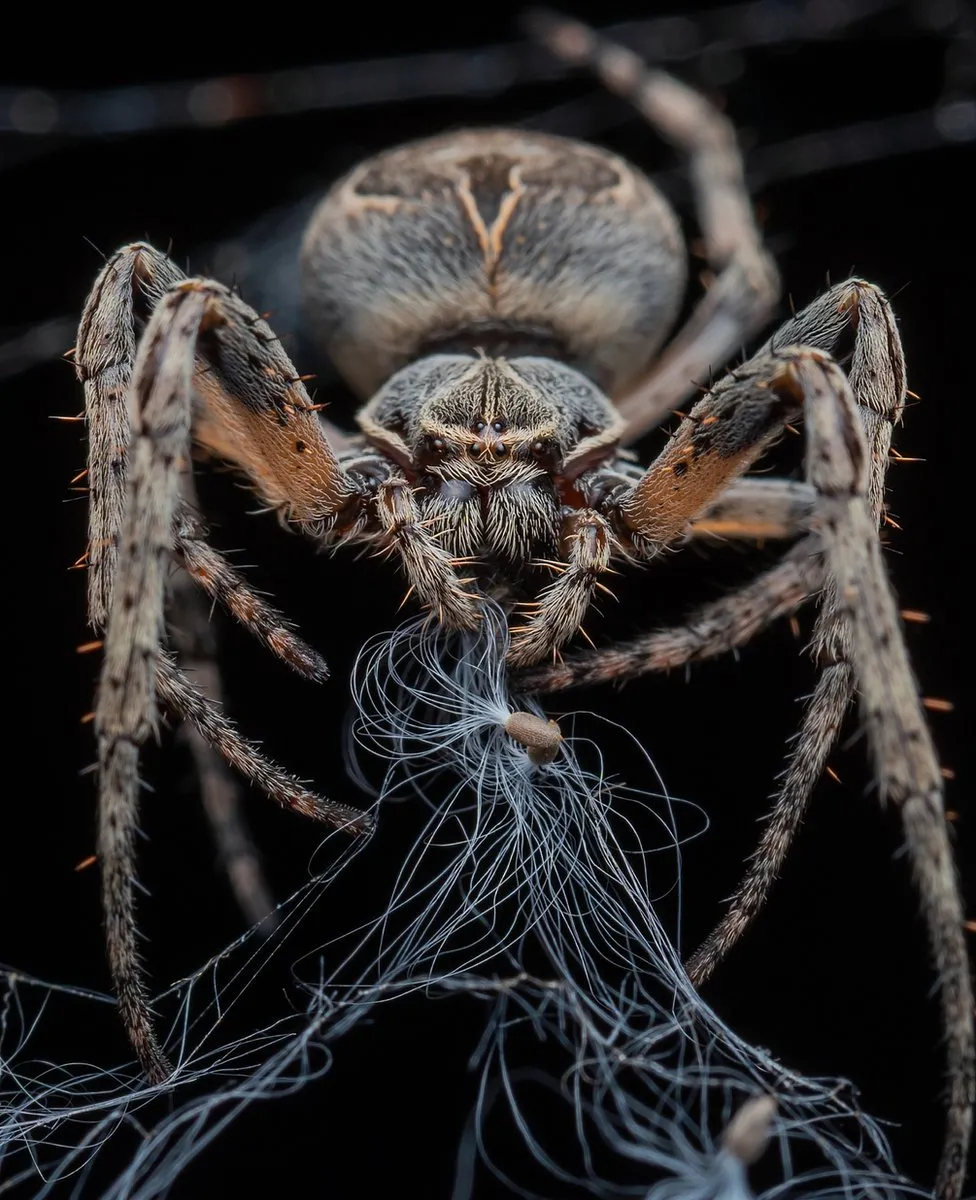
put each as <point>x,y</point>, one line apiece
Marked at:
<point>500,300</point>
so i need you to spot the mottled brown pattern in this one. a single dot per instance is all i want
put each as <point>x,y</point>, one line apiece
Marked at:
<point>493,230</point>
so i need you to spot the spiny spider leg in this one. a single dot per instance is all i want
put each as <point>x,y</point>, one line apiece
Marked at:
<point>755,508</point>
<point>718,441</point>
<point>736,419</point>
<point>876,377</point>
<point>822,721</point>
<point>193,638</point>
<point>905,762</point>
<point>125,709</point>
<point>214,741</point>
<point>876,373</point>
<point>190,704</point>
<point>744,293</point>
<point>853,310</point>
<point>128,288</point>
<point>434,582</point>
<point>274,435</point>
<point>587,544</point>
<point>225,584</point>
<point>125,293</point>
<point>715,628</point>
<point>853,321</point>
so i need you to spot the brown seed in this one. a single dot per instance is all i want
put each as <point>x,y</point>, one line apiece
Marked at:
<point>747,1133</point>
<point>540,737</point>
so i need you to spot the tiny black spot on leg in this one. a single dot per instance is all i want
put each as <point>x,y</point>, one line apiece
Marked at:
<point>301,447</point>
<point>680,468</point>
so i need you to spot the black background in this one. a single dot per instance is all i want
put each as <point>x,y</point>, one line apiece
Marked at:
<point>834,979</point>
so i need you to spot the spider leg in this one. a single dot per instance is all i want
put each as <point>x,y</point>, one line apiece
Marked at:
<point>134,280</point>
<point>746,287</point>
<point>587,543</point>
<point>227,586</point>
<point>127,290</point>
<point>749,407</point>
<point>193,637</point>
<point>190,704</point>
<point>125,709</point>
<point>429,567</point>
<point>757,508</point>
<point>877,381</point>
<point>822,720</point>
<point>274,435</point>
<point>700,463</point>
<point>853,322</point>
<point>722,436</point>
<point>716,628</point>
<point>905,762</point>
<point>750,508</point>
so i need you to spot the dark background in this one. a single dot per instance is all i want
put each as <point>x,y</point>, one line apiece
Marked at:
<point>835,978</point>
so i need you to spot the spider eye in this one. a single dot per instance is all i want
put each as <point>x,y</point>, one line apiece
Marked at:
<point>432,450</point>
<point>499,426</point>
<point>546,453</point>
<point>479,427</point>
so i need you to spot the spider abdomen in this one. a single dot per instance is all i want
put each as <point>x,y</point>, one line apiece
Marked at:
<point>510,241</point>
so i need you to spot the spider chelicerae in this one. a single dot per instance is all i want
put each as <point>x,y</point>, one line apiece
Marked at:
<point>500,299</point>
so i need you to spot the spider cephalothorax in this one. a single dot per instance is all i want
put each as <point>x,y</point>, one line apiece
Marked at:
<point>499,299</point>
<point>494,448</point>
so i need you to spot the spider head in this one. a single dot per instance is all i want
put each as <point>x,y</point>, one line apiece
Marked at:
<point>492,444</point>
